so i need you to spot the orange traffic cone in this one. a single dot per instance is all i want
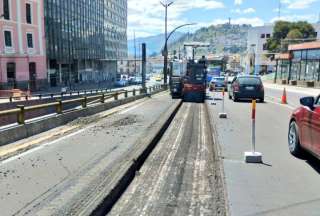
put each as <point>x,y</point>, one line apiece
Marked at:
<point>284,97</point>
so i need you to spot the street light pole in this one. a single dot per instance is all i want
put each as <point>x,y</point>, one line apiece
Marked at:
<point>165,51</point>
<point>166,48</point>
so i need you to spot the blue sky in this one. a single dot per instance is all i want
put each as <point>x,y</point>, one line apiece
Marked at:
<point>145,17</point>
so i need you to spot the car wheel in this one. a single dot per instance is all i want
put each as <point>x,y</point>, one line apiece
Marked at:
<point>230,97</point>
<point>235,99</point>
<point>261,100</point>
<point>293,140</point>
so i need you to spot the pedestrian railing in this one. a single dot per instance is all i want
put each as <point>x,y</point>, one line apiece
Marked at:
<point>20,111</point>
<point>57,94</point>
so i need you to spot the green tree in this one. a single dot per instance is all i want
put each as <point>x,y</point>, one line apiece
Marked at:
<point>305,28</point>
<point>295,34</point>
<point>289,30</point>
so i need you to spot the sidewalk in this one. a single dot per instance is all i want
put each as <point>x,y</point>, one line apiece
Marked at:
<point>293,89</point>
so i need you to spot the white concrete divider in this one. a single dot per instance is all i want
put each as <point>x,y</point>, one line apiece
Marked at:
<point>253,156</point>
<point>223,114</point>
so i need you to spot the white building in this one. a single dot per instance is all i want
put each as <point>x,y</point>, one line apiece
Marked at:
<point>257,49</point>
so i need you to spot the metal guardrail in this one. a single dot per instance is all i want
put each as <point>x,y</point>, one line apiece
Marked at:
<point>59,94</point>
<point>21,110</point>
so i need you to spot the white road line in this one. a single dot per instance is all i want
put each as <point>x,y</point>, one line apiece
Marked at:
<point>41,147</point>
<point>131,108</point>
<point>282,105</point>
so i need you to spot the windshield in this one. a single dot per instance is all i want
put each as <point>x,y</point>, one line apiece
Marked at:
<point>220,79</point>
<point>249,81</point>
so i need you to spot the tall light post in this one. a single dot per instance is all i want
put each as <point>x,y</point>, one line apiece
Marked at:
<point>253,58</point>
<point>165,50</point>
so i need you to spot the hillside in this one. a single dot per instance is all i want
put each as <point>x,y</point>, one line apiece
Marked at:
<point>222,38</point>
<point>154,43</point>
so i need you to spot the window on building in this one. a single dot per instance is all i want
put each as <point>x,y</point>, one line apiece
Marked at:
<point>265,46</point>
<point>268,35</point>
<point>7,38</point>
<point>11,71</point>
<point>28,13</point>
<point>6,9</point>
<point>263,36</point>
<point>29,40</point>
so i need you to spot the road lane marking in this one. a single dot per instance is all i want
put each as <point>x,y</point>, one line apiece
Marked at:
<point>282,105</point>
<point>34,142</point>
<point>41,147</point>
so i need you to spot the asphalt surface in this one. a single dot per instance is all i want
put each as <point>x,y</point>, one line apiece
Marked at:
<point>283,184</point>
<point>181,176</point>
<point>274,92</point>
<point>62,175</point>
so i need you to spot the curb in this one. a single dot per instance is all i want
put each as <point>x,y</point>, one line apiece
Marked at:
<point>126,175</point>
<point>218,151</point>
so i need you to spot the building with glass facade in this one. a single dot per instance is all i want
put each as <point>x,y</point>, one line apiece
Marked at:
<point>301,65</point>
<point>84,40</point>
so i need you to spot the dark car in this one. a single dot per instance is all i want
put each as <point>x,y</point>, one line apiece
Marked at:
<point>246,87</point>
<point>304,129</point>
<point>218,83</point>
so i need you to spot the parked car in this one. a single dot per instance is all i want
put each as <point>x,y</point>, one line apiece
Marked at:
<point>121,83</point>
<point>304,128</point>
<point>138,80</point>
<point>217,83</point>
<point>131,80</point>
<point>246,87</point>
<point>158,78</point>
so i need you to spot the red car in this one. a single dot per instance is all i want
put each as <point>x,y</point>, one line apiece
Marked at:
<point>304,129</point>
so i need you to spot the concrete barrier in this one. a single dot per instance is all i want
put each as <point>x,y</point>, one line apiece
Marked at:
<point>38,126</point>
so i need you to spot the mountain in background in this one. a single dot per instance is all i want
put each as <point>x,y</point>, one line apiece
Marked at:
<point>225,38</point>
<point>154,43</point>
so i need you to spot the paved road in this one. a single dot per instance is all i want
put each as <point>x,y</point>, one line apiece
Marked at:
<point>283,185</point>
<point>181,176</point>
<point>57,176</point>
<point>274,93</point>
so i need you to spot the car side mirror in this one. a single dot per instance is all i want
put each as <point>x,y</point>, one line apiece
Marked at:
<point>308,102</point>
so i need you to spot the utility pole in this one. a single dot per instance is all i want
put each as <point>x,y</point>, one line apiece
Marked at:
<point>165,51</point>
<point>279,10</point>
<point>135,53</point>
<point>144,62</point>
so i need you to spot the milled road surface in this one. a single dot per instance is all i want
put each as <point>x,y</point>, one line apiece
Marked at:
<point>283,185</point>
<point>181,176</point>
<point>64,175</point>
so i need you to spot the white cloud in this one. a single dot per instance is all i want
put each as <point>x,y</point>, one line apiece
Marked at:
<point>298,4</point>
<point>293,18</point>
<point>238,2</point>
<point>244,11</point>
<point>254,21</point>
<point>146,17</point>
